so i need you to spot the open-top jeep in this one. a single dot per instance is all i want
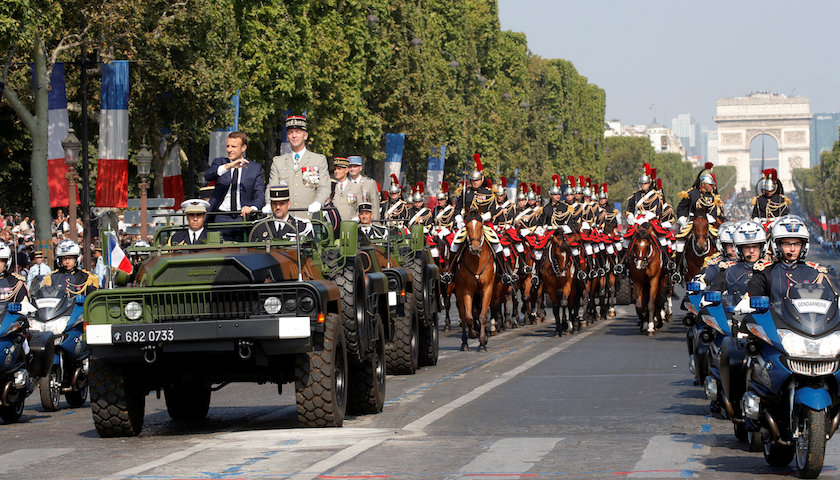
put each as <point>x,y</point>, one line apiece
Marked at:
<point>197,317</point>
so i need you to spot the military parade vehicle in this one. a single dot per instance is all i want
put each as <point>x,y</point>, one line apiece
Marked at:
<point>194,318</point>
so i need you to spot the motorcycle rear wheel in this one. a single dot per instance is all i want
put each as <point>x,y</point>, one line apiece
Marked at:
<point>50,388</point>
<point>12,413</point>
<point>778,455</point>
<point>810,446</point>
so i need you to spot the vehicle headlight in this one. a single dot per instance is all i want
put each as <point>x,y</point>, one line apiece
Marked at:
<point>36,326</point>
<point>291,304</point>
<point>307,303</point>
<point>57,326</point>
<point>798,346</point>
<point>272,305</point>
<point>133,310</point>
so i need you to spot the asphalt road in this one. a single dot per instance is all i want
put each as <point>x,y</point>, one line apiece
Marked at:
<point>604,403</point>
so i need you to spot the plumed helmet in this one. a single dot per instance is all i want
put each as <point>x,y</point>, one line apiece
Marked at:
<point>501,187</point>
<point>539,192</point>
<point>587,189</point>
<point>523,191</point>
<point>789,226</point>
<point>603,193</point>
<point>579,186</point>
<point>725,232</point>
<point>444,190</point>
<point>478,173</point>
<point>418,192</point>
<point>706,175</point>
<point>646,177</point>
<point>749,233</point>
<point>555,185</point>
<point>532,194</point>
<point>395,185</point>
<point>769,180</point>
<point>570,187</point>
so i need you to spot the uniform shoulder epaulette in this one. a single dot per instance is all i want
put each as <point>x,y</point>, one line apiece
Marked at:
<point>787,201</point>
<point>817,266</point>
<point>754,200</point>
<point>726,264</point>
<point>683,194</point>
<point>759,266</point>
<point>19,277</point>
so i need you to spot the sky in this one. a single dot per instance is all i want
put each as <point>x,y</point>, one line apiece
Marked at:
<point>682,56</point>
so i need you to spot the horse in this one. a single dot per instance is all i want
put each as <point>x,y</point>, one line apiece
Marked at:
<point>557,272</point>
<point>649,278</point>
<point>444,256</point>
<point>475,277</point>
<point>700,245</point>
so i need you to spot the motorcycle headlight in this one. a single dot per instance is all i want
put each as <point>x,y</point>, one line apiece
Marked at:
<point>58,325</point>
<point>133,310</point>
<point>798,346</point>
<point>36,326</point>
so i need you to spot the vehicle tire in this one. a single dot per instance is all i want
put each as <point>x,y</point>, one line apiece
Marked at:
<point>403,352</point>
<point>321,380</point>
<point>189,401</point>
<point>741,431</point>
<point>117,400</point>
<point>624,292</point>
<point>778,455</point>
<point>50,388</point>
<point>810,446</point>
<point>415,266</point>
<point>12,413</point>
<point>367,379</point>
<point>352,305</point>
<point>430,343</point>
<point>77,398</point>
<point>754,441</point>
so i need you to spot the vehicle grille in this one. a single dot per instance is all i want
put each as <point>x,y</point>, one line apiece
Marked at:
<point>812,368</point>
<point>180,306</point>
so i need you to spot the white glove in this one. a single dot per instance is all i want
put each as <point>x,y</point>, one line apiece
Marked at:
<point>314,207</point>
<point>266,208</point>
<point>681,222</point>
<point>744,306</point>
<point>485,216</point>
<point>459,220</point>
<point>355,219</point>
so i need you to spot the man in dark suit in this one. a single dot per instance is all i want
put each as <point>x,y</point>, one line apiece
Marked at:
<point>280,225</point>
<point>240,187</point>
<point>195,234</point>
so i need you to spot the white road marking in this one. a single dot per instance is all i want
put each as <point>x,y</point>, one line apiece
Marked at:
<point>27,457</point>
<point>670,456</point>
<point>510,456</point>
<point>171,458</point>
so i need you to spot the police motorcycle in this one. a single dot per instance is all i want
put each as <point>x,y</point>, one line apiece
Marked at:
<point>24,355</point>
<point>60,313</point>
<point>793,371</point>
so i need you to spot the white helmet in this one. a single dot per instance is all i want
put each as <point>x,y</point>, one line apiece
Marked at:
<point>749,233</point>
<point>5,254</point>
<point>68,248</point>
<point>725,232</point>
<point>789,226</point>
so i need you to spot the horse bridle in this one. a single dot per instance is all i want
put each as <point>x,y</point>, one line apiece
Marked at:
<point>481,243</point>
<point>645,262</point>
<point>694,247</point>
<point>557,271</point>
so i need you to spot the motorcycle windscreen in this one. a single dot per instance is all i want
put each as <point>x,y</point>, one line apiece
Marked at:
<point>54,300</point>
<point>809,308</point>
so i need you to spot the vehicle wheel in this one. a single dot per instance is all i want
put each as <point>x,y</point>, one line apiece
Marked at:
<point>755,442</point>
<point>77,398</point>
<point>810,446</point>
<point>187,401</point>
<point>352,306</point>
<point>367,379</point>
<point>12,413</point>
<point>403,352</point>
<point>50,387</point>
<point>778,455</point>
<point>321,380</point>
<point>429,343</point>
<point>624,292</point>
<point>117,400</point>
<point>741,432</point>
<point>420,302</point>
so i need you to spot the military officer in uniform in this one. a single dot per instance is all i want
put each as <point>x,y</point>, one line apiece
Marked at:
<point>645,198</point>
<point>395,207</point>
<point>12,285</point>
<point>366,185</point>
<point>195,234</point>
<point>280,225</point>
<point>365,222</point>
<point>38,269</point>
<point>418,214</point>
<point>475,197</point>
<point>701,196</point>
<point>555,203</point>
<point>78,281</point>
<point>608,216</point>
<point>346,195</point>
<point>773,203</point>
<point>442,214</point>
<point>502,209</point>
<point>306,173</point>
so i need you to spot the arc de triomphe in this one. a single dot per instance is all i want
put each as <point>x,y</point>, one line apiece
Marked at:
<point>786,119</point>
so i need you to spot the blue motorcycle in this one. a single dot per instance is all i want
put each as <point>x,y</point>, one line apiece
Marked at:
<point>61,314</point>
<point>23,357</point>
<point>792,375</point>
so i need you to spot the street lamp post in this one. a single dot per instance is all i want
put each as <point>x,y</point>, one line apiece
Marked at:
<point>144,167</point>
<point>71,146</point>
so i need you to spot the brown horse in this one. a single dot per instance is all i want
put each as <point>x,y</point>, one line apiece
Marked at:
<point>557,271</point>
<point>699,245</point>
<point>446,290</point>
<point>649,278</point>
<point>475,276</point>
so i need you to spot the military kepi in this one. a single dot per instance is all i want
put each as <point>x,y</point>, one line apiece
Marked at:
<point>296,121</point>
<point>354,160</point>
<point>278,193</point>
<point>340,162</point>
<point>365,206</point>
<point>195,205</point>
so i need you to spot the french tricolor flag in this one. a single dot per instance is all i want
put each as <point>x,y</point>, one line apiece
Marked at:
<point>58,126</point>
<point>112,174</point>
<point>117,256</point>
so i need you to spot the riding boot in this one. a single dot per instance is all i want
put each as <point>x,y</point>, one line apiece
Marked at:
<point>507,277</point>
<point>446,276</point>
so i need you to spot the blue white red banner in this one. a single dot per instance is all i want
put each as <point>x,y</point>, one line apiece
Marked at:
<point>434,174</point>
<point>394,143</point>
<point>112,172</point>
<point>57,128</point>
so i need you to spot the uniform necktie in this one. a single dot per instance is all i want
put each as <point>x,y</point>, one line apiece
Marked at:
<point>194,237</point>
<point>234,190</point>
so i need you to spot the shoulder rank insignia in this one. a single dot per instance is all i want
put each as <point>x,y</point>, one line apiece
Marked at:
<point>754,200</point>
<point>19,277</point>
<point>817,267</point>
<point>727,264</point>
<point>759,266</point>
<point>683,194</point>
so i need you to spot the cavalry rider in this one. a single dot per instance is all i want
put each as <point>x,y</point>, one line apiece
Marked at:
<point>701,196</point>
<point>555,204</point>
<point>77,280</point>
<point>478,197</point>
<point>521,210</point>
<point>280,224</point>
<point>789,246</point>
<point>365,222</point>
<point>773,203</point>
<point>12,286</point>
<point>442,215</point>
<point>726,252</point>
<point>502,209</point>
<point>608,221</point>
<point>645,198</point>
<point>395,207</point>
<point>418,213</point>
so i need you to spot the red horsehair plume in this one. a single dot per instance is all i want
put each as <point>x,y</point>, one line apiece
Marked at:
<point>421,187</point>
<point>478,165</point>
<point>524,187</point>
<point>503,180</point>
<point>539,190</point>
<point>581,181</point>
<point>444,186</point>
<point>489,183</point>
<point>653,173</point>
<point>572,181</point>
<point>394,179</point>
<point>595,189</point>
<point>771,174</point>
<point>708,165</point>
<point>647,169</point>
<point>589,182</point>
<point>534,187</point>
<point>556,179</point>
<point>659,184</point>
<point>604,187</point>
<point>413,189</point>
<point>378,188</point>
